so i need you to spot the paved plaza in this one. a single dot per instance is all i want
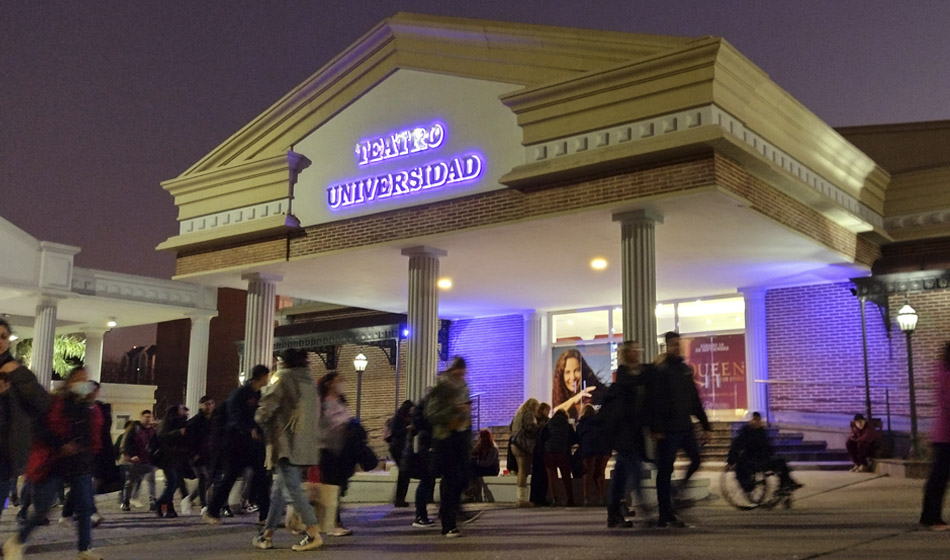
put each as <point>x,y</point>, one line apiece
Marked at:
<point>837,516</point>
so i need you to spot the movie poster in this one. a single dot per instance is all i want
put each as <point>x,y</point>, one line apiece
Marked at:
<point>581,376</point>
<point>719,367</point>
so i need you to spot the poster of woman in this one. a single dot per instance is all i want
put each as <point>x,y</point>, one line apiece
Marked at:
<point>576,382</point>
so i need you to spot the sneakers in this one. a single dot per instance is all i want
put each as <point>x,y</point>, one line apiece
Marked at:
<point>90,554</point>
<point>308,543</point>
<point>186,506</point>
<point>126,506</point>
<point>226,512</point>
<point>423,522</point>
<point>209,519</point>
<point>340,531</point>
<point>674,523</point>
<point>136,504</point>
<point>252,508</point>
<point>452,534</point>
<point>65,521</point>
<point>262,542</point>
<point>13,549</point>
<point>96,519</point>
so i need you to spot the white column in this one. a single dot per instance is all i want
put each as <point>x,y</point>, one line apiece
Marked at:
<point>422,355</point>
<point>538,372</point>
<point>756,351</point>
<point>44,334</point>
<point>259,322</point>
<point>198,361</point>
<point>638,265</point>
<point>94,344</point>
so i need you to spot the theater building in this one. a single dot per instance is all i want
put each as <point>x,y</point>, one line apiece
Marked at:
<point>511,192</point>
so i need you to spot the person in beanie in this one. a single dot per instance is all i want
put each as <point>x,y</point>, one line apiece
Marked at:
<point>64,453</point>
<point>289,414</point>
<point>449,411</point>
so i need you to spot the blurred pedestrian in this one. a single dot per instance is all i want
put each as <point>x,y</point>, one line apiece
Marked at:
<point>173,456</point>
<point>399,435</point>
<point>198,432</point>
<point>524,435</point>
<point>931,515</point>
<point>594,448</point>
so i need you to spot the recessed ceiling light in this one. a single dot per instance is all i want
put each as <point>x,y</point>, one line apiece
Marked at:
<point>444,283</point>
<point>598,263</point>
<point>570,322</point>
<point>111,323</point>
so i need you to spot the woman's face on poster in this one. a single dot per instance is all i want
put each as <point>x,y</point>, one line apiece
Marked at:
<point>572,374</point>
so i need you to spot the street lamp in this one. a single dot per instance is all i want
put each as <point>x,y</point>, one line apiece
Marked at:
<point>359,364</point>
<point>907,319</point>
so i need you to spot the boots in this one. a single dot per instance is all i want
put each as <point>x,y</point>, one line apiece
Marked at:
<point>523,497</point>
<point>615,517</point>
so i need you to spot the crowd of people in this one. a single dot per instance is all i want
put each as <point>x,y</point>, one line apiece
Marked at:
<point>295,446</point>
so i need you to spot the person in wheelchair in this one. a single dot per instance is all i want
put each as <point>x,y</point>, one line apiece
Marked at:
<point>752,452</point>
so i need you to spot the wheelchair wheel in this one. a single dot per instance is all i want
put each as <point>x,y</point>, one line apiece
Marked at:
<point>758,489</point>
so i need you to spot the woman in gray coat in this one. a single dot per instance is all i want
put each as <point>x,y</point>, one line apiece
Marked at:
<point>289,414</point>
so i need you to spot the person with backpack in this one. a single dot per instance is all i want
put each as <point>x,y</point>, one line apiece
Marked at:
<point>396,434</point>
<point>239,440</point>
<point>137,446</point>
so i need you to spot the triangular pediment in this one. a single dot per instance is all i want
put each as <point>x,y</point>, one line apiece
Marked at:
<point>518,54</point>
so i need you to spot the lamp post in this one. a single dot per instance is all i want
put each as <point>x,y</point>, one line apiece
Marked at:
<point>907,319</point>
<point>359,364</point>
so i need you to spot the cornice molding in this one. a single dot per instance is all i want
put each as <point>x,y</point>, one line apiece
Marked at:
<point>140,289</point>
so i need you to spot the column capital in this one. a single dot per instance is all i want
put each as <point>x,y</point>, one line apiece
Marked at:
<point>423,251</point>
<point>262,277</point>
<point>198,315</point>
<point>639,216</point>
<point>49,299</point>
<point>753,291</point>
<point>95,331</point>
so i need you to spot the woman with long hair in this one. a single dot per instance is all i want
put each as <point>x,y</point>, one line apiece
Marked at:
<point>485,462</point>
<point>524,432</point>
<point>574,381</point>
<point>334,420</point>
<point>931,515</point>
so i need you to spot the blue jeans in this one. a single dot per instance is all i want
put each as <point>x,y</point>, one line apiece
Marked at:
<point>172,477</point>
<point>46,492</point>
<point>287,481</point>
<point>5,483</point>
<point>626,472</point>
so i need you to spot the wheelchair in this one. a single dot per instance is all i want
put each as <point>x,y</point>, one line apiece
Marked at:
<point>748,487</point>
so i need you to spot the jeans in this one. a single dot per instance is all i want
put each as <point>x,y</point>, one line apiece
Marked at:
<point>452,458</point>
<point>627,471</point>
<point>936,486</point>
<point>200,491</point>
<point>137,472</point>
<point>666,455</point>
<point>287,481</point>
<point>402,481</point>
<point>124,477</point>
<point>172,477</point>
<point>45,493</point>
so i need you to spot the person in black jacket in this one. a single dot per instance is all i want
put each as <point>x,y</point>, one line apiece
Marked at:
<point>539,476</point>
<point>199,446</point>
<point>172,438</point>
<point>240,445</point>
<point>623,419</point>
<point>752,451</point>
<point>400,430</point>
<point>674,400</point>
<point>557,455</point>
<point>420,456</point>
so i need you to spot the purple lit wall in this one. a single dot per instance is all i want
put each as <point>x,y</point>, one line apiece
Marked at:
<point>814,341</point>
<point>493,348</point>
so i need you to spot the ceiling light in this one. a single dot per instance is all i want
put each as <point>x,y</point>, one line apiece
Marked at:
<point>111,323</point>
<point>598,263</point>
<point>570,322</point>
<point>444,283</point>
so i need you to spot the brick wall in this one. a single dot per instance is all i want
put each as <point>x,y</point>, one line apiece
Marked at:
<point>493,348</point>
<point>814,340</point>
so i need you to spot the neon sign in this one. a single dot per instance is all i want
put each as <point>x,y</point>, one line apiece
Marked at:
<point>453,170</point>
<point>399,143</point>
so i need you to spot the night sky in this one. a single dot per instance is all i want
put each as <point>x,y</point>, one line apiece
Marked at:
<point>101,101</point>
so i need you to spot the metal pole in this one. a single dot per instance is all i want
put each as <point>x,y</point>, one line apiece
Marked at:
<point>359,393</point>
<point>396,350</point>
<point>864,348</point>
<point>887,403</point>
<point>914,444</point>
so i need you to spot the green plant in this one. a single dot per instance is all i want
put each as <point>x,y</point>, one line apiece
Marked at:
<point>69,350</point>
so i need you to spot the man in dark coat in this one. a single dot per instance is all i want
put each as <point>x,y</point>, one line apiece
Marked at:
<point>199,443</point>
<point>674,400</point>
<point>623,418</point>
<point>752,451</point>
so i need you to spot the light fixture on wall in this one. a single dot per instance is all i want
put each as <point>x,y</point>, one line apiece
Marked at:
<point>359,364</point>
<point>907,319</point>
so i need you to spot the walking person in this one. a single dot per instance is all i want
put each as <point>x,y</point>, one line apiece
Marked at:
<point>289,414</point>
<point>239,441</point>
<point>136,446</point>
<point>449,411</point>
<point>674,400</point>
<point>524,435</point>
<point>122,460</point>
<point>557,456</point>
<point>64,453</point>
<point>539,476</point>
<point>198,430</point>
<point>335,418</point>
<point>931,516</point>
<point>173,457</point>
<point>398,438</point>
<point>594,449</point>
<point>422,463</point>
<point>23,407</point>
